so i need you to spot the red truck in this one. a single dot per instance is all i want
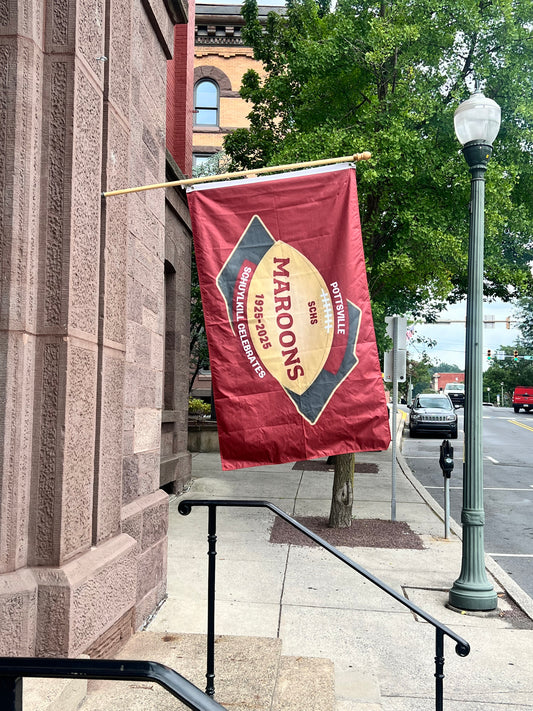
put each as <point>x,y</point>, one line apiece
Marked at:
<point>523,397</point>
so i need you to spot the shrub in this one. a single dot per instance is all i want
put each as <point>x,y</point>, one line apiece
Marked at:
<point>198,408</point>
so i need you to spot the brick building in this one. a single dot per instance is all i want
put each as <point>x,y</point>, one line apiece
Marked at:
<point>93,315</point>
<point>440,380</point>
<point>220,61</point>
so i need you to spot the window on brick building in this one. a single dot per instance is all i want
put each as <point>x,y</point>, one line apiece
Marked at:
<point>200,159</point>
<point>206,103</point>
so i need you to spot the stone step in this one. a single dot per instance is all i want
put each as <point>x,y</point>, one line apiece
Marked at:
<point>250,675</point>
<point>357,691</point>
<point>305,684</point>
<point>53,694</point>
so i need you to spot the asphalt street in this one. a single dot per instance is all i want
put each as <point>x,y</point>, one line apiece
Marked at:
<point>508,485</point>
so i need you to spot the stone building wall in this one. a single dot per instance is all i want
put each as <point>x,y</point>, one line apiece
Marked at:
<point>82,321</point>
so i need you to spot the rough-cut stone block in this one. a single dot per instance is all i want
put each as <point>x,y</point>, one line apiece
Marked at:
<point>146,520</point>
<point>119,56</point>
<point>132,521</point>
<point>176,469</point>
<point>109,475</point>
<point>130,478</point>
<point>20,107</point>
<point>134,307</point>
<point>16,421</point>
<point>79,601</point>
<point>24,18</point>
<point>144,609</point>
<point>155,519</point>
<point>18,613</point>
<point>152,568</point>
<point>85,226</point>
<point>78,457</point>
<point>57,185</point>
<point>90,34</point>
<point>147,429</point>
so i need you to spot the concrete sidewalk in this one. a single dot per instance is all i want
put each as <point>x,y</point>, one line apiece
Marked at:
<point>383,656</point>
<point>380,656</point>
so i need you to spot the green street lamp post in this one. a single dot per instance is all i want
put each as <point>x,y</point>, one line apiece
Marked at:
<point>477,122</point>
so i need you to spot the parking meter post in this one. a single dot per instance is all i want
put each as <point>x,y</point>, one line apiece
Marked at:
<point>446,464</point>
<point>446,507</point>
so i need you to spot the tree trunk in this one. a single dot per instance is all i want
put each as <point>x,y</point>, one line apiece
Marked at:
<point>340,515</point>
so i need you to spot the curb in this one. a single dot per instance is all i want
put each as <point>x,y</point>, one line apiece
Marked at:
<point>519,596</point>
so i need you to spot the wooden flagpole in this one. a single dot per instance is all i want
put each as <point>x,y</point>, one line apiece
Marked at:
<point>241,174</point>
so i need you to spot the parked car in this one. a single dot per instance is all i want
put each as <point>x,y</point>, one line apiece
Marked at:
<point>433,413</point>
<point>523,397</point>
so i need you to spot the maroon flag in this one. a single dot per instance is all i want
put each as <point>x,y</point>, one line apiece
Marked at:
<point>293,355</point>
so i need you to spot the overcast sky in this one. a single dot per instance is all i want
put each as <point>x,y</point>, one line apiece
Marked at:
<point>450,338</point>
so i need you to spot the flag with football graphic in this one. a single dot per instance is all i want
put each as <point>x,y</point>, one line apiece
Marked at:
<point>291,340</point>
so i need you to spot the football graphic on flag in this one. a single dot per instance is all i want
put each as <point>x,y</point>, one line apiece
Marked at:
<point>284,313</point>
<point>291,317</point>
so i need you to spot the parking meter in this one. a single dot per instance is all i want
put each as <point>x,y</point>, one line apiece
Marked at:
<point>446,464</point>
<point>446,458</point>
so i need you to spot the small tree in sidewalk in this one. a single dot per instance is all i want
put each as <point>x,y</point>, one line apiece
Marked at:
<point>340,515</point>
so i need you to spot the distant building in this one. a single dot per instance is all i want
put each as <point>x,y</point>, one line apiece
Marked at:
<point>220,61</point>
<point>440,380</point>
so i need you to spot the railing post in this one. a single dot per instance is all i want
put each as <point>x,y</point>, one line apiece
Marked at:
<point>439,668</point>
<point>462,648</point>
<point>211,572</point>
<point>11,693</point>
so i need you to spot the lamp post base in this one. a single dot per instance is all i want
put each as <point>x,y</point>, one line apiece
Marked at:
<point>472,597</point>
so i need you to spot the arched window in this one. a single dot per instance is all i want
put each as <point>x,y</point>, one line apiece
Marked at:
<point>206,96</point>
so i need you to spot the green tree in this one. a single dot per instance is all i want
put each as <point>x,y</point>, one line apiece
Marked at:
<point>386,77</point>
<point>524,317</point>
<point>418,375</point>
<point>445,368</point>
<point>198,351</point>
<point>507,374</point>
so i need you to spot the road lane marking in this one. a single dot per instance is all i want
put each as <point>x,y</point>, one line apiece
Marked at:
<point>511,555</point>
<point>408,456</point>
<point>519,424</point>
<point>434,458</point>
<point>485,488</point>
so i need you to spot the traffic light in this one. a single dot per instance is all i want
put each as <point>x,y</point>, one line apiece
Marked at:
<point>515,356</point>
<point>489,356</point>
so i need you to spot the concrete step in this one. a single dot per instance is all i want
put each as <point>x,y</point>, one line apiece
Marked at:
<point>53,694</point>
<point>250,675</point>
<point>357,691</point>
<point>304,684</point>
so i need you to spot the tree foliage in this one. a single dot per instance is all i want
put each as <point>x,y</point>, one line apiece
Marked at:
<point>524,316</point>
<point>418,375</point>
<point>198,351</point>
<point>445,368</point>
<point>508,373</point>
<point>386,77</point>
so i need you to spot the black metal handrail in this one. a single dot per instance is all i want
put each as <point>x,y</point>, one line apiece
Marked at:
<point>14,669</point>
<point>462,647</point>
